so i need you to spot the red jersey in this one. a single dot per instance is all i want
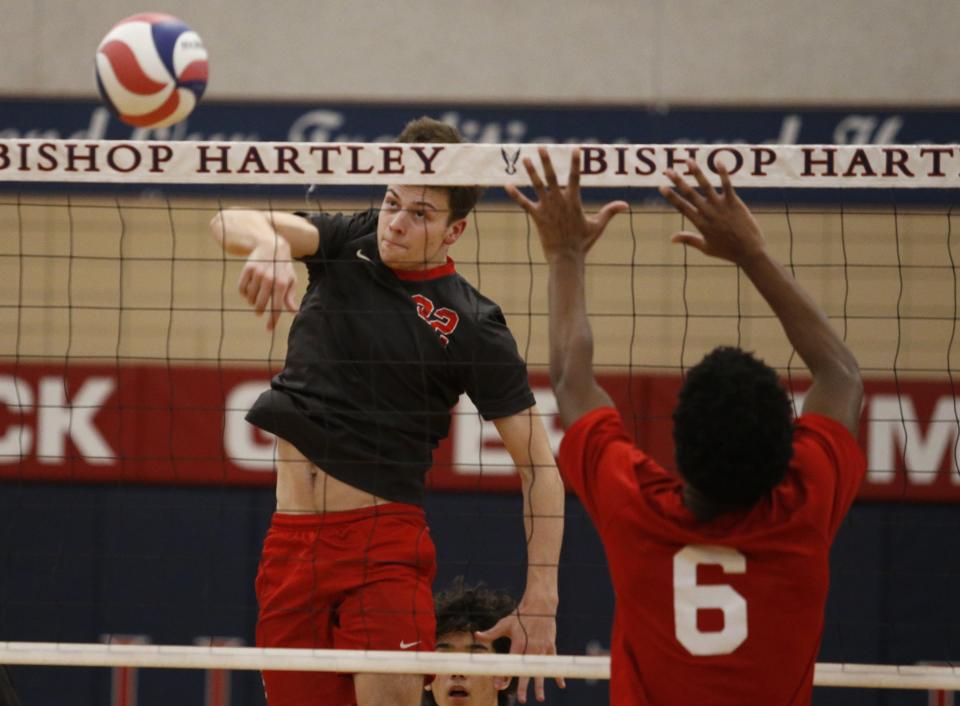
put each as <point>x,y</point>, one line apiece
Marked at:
<point>724,612</point>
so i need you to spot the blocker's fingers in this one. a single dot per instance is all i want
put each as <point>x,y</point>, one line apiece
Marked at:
<point>685,188</point>
<point>518,196</point>
<point>535,180</point>
<point>548,170</point>
<point>729,193</point>
<point>573,181</point>
<point>694,240</point>
<point>680,203</point>
<point>702,182</point>
<point>609,211</point>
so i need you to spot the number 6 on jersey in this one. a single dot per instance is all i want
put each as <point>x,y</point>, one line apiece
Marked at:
<point>690,597</point>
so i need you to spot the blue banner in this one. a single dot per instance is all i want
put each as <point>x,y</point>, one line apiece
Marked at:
<point>352,122</point>
<point>373,122</point>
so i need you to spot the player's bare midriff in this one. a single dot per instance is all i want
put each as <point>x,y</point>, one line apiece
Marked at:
<point>302,487</point>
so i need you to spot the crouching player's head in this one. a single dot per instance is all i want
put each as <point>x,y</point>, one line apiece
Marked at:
<point>462,610</point>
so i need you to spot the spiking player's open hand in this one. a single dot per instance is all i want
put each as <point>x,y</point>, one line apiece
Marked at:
<point>531,631</point>
<point>558,212</point>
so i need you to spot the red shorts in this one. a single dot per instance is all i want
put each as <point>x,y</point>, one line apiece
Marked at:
<point>360,579</point>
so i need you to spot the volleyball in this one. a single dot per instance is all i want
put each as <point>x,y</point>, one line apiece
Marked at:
<point>151,70</point>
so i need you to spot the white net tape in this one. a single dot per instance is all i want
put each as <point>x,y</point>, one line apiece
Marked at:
<point>276,163</point>
<point>875,676</point>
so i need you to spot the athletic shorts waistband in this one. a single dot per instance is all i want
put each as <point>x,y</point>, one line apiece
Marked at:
<point>323,519</point>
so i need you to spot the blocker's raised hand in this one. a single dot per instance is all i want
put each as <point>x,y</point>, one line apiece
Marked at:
<point>558,211</point>
<point>727,228</point>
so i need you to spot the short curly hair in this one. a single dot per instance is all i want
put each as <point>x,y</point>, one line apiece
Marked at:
<point>426,130</point>
<point>732,429</point>
<point>468,608</point>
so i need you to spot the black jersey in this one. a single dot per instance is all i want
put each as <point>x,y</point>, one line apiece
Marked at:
<point>377,359</point>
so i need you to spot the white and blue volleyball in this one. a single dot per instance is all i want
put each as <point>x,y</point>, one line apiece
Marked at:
<point>151,70</point>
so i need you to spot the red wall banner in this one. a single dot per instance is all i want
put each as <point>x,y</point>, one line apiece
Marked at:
<point>184,425</point>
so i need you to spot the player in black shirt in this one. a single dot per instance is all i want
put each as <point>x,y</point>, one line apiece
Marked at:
<point>385,340</point>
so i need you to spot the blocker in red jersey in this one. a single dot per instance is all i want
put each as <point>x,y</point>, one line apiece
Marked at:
<point>721,567</point>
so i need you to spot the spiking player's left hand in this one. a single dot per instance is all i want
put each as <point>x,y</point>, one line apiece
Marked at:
<point>268,281</point>
<point>532,631</point>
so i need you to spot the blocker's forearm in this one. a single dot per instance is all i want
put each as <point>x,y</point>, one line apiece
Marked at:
<point>837,389</point>
<point>571,340</point>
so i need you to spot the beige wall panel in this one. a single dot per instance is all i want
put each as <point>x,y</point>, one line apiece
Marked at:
<point>652,51</point>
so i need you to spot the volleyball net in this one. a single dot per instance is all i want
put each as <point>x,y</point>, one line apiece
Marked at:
<point>134,495</point>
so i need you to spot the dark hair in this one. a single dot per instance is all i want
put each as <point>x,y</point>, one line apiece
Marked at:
<point>732,429</point>
<point>468,608</point>
<point>426,130</point>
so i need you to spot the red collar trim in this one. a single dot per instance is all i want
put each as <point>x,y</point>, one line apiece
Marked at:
<point>432,273</point>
